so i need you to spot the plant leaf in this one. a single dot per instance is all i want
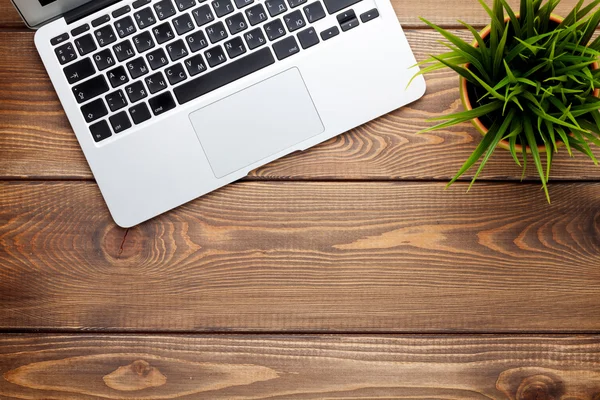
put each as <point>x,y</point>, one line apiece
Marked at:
<point>536,155</point>
<point>483,145</point>
<point>490,150</point>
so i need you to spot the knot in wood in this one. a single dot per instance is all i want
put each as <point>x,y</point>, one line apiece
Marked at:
<point>138,375</point>
<point>141,367</point>
<point>539,387</point>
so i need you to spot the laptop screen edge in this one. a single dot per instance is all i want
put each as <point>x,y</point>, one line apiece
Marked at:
<point>35,15</point>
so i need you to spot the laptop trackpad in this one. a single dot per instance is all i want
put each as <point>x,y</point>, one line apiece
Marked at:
<point>256,123</point>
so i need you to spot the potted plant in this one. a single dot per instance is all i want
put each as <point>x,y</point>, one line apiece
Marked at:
<point>529,83</point>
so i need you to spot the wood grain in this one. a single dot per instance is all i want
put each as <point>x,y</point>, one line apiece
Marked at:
<point>45,147</point>
<point>290,257</point>
<point>408,12</point>
<point>299,367</point>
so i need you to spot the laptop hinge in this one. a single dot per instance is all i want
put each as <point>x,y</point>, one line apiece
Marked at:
<point>87,9</point>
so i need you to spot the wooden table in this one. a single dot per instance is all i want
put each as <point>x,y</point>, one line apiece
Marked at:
<point>346,271</point>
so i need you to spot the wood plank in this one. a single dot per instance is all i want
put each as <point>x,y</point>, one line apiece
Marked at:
<point>408,12</point>
<point>9,17</point>
<point>45,147</point>
<point>292,257</point>
<point>299,367</point>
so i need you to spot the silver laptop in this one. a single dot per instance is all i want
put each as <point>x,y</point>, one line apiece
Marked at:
<point>172,99</point>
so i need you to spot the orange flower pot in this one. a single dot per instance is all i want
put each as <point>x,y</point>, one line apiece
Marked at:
<point>464,93</point>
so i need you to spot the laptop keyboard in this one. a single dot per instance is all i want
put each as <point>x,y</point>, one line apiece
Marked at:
<point>144,60</point>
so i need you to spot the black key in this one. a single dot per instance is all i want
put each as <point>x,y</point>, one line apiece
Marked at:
<point>145,18</point>
<point>137,68</point>
<point>308,38</point>
<point>157,59</point>
<point>215,56</point>
<point>59,39</point>
<point>140,113</point>
<point>314,12</point>
<point>105,35</point>
<point>143,42</point>
<point>136,91</point>
<point>183,24</point>
<point>65,53</point>
<point>243,3</point>
<point>164,9</point>
<point>85,44</point>
<point>100,131</point>
<point>89,89</point>
<point>216,32</point>
<point>125,27</point>
<point>185,4</point>
<point>256,14</point>
<point>101,20</point>
<point>235,47</point>
<point>286,47</point>
<point>255,38</point>
<point>369,15</point>
<point>79,70</point>
<point>294,20</point>
<point>274,29</point>
<point>329,33</point>
<point>116,100</point>
<point>203,15</point>
<point>353,23</point>
<point>296,3</point>
<point>80,29</point>
<point>276,7</point>
<point>334,6</point>
<point>139,3</point>
<point>231,72</point>
<point>222,7</point>
<point>156,82</point>
<point>124,50</point>
<point>94,110</point>
<point>117,76</point>
<point>196,41</point>
<point>177,50</point>
<point>121,11</point>
<point>104,59</point>
<point>162,103</point>
<point>175,74</point>
<point>236,23</point>
<point>195,65</point>
<point>346,16</point>
<point>120,122</point>
<point>163,33</point>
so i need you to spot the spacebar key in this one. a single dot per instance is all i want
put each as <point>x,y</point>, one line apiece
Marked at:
<point>224,75</point>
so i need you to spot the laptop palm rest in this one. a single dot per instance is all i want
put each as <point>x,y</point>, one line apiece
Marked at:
<point>256,123</point>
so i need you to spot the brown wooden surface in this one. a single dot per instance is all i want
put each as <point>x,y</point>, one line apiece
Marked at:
<point>299,256</point>
<point>299,367</point>
<point>367,250</point>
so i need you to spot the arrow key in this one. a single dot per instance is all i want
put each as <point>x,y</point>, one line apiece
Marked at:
<point>353,23</point>
<point>369,15</point>
<point>329,33</point>
<point>79,70</point>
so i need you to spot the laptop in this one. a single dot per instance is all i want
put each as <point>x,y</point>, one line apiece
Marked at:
<point>172,99</point>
